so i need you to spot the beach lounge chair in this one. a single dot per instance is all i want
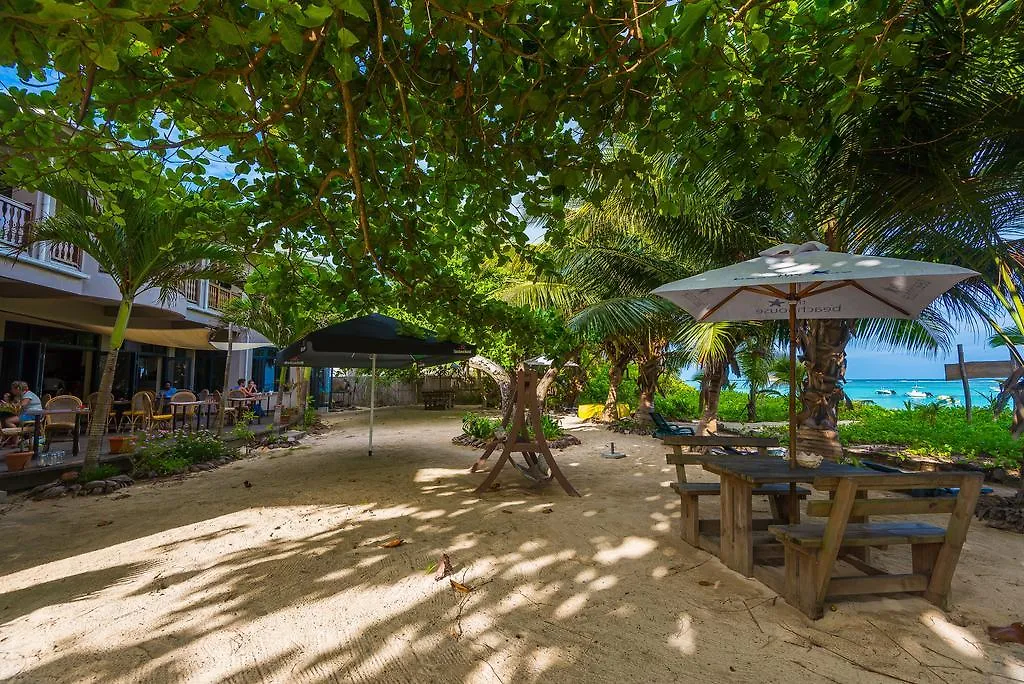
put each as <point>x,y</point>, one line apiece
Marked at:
<point>663,427</point>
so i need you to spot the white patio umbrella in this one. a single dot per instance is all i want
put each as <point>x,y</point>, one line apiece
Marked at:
<point>807,281</point>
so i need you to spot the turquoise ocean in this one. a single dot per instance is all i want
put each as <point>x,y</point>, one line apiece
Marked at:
<point>982,391</point>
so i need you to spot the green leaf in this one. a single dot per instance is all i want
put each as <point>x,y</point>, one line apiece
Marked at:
<point>841,67</point>
<point>537,101</point>
<point>344,67</point>
<point>901,55</point>
<point>759,41</point>
<point>225,31</point>
<point>61,11</point>
<point>346,38</point>
<point>291,39</point>
<point>319,14</point>
<point>107,59</point>
<point>355,8</point>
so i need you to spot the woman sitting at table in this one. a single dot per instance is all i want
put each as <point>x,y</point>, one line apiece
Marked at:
<point>249,390</point>
<point>27,399</point>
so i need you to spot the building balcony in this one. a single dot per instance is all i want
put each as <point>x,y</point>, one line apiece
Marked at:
<point>205,294</point>
<point>14,220</point>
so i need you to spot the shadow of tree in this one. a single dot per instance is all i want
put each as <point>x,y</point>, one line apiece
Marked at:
<point>267,589</point>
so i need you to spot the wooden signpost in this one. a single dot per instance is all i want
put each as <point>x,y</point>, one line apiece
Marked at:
<point>965,370</point>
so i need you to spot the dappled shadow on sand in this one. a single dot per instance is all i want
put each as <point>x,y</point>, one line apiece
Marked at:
<point>284,591</point>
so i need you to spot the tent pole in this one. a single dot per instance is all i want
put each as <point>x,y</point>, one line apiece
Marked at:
<point>373,395</point>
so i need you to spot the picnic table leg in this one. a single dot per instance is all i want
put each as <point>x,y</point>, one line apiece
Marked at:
<point>737,541</point>
<point>956,532</point>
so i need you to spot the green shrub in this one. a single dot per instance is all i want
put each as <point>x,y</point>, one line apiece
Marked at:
<point>99,472</point>
<point>481,427</point>
<point>309,416</point>
<point>550,427</point>
<point>166,453</point>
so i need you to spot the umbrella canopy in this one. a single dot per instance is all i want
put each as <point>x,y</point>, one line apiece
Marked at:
<point>355,343</point>
<point>241,340</point>
<point>807,281</point>
<point>823,284</point>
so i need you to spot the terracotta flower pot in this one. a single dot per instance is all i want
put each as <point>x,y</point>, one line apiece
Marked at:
<point>17,460</point>
<point>122,444</point>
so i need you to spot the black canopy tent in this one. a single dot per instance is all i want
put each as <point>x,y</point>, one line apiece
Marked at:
<point>373,341</point>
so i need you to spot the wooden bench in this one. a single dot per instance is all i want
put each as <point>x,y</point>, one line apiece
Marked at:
<point>812,549</point>
<point>692,527</point>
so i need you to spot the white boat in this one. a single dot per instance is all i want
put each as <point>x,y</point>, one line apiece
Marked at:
<point>946,400</point>
<point>916,393</point>
<point>885,390</point>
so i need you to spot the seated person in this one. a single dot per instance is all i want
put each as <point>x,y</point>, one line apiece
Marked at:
<point>28,401</point>
<point>168,391</point>
<point>249,390</point>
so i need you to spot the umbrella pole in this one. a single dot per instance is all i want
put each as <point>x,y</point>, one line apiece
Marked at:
<point>373,395</point>
<point>794,502</point>
<point>792,379</point>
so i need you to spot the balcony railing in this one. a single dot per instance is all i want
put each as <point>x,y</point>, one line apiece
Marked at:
<point>14,216</point>
<point>217,296</point>
<point>191,291</point>
<point>64,253</point>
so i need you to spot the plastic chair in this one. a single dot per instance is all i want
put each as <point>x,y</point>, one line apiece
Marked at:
<point>63,421</point>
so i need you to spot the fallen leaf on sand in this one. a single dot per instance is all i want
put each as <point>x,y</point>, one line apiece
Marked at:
<point>430,568</point>
<point>392,543</point>
<point>444,567</point>
<point>104,523</point>
<point>548,510</point>
<point>496,485</point>
<point>457,586</point>
<point>247,484</point>
<point>1013,632</point>
<point>705,583</point>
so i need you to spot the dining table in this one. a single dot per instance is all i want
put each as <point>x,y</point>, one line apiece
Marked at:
<point>740,475</point>
<point>251,400</point>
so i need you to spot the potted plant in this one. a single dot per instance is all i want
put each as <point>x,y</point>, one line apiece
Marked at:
<point>123,444</point>
<point>17,460</point>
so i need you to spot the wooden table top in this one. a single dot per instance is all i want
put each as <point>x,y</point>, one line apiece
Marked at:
<point>55,412</point>
<point>759,470</point>
<point>719,440</point>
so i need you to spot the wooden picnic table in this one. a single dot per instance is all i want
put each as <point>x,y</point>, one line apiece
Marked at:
<point>741,476</point>
<point>37,427</point>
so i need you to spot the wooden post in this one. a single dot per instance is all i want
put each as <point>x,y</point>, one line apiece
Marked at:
<point>963,378</point>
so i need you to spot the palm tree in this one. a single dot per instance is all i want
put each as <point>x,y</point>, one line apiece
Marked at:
<point>144,238</point>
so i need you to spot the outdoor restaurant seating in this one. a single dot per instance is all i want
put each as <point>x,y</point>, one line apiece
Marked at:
<point>61,422</point>
<point>139,414</point>
<point>92,401</point>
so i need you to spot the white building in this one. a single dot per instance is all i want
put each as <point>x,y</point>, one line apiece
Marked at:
<point>57,309</point>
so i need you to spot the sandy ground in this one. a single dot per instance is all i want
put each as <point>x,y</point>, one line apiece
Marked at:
<point>204,579</point>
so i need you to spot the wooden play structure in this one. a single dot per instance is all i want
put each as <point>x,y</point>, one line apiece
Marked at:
<point>513,436</point>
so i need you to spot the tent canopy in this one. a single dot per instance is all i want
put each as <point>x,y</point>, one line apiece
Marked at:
<point>354,343</point>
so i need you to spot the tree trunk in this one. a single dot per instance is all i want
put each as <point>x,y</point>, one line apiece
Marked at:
<point>823,344</point>
<point>616,371</point>
<point>98,422</point>
<point>498,374</point>
<point>649,366</point>
<point>712,379</point>
<point>282,374</point>
<point>227,382</point>
<point>752,405</point>
<point>544,385</point>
